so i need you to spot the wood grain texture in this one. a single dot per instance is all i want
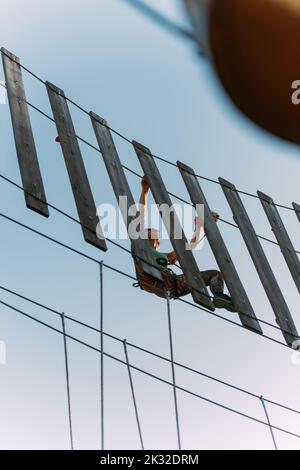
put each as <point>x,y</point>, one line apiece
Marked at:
<point>263,268</point>
<point>297,210</point>
<point>185,257</point>
<point>83,196</point>
<point>26,150</point>
<point>217,244</point>
<point>282,237</point>
<point>140,247</point>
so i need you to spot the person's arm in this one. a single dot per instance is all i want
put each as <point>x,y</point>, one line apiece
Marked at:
<point>172,257</point>
<point>196,239</point>
<point>215,215</point>
<point>144,201</point>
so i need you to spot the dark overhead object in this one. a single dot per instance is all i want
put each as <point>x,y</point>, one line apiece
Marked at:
<point>254,47</point>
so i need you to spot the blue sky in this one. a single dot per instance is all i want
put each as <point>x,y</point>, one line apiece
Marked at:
<point>153,88</point>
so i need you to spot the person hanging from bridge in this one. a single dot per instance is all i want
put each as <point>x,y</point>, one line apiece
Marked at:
<point>172,283</point>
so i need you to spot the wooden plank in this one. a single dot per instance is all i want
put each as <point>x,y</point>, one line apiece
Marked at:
<point>282,237</point>
<point>263,268</point>
<point>297,210</point>
<point>26,150</point>
<point>75,166</point>
<point>172,224</point>
<point>223,258</point>
<point>141,248</point>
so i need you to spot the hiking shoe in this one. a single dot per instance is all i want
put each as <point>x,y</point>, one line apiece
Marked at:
<point>223,301</point>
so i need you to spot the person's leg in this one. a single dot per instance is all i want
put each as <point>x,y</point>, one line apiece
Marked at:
<point>181,287</point>
<point>215,280</point>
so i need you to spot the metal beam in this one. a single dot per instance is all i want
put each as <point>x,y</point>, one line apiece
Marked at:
<point>26,150</point>
<point>140,247</point>
<point>217,244</point>
<point>282,237</point>
<point>263,268</point>
<point>172,224</point>
<point>83,196</point>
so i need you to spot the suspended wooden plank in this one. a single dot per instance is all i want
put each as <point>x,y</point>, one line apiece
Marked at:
<point>75,166</point>
<point>172,224</point>
<point>26,150</point>
<point>141,248</point>
<point>263,268</point>
<point>223,258</point>
<point>282,237</point>
<point>297,210</point>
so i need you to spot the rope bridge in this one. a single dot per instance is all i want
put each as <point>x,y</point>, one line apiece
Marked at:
<point>35,197</point>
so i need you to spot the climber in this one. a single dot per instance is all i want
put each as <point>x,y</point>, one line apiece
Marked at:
<point>173,284</point>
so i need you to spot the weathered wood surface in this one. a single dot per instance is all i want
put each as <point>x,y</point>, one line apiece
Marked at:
<point>83,196</point>
<point>140,247</point>
<point>282,237</point>
<point>172,223</point>
<point>217,244</point>
<point>297,210</point>
<point>26,150</point>
<point>263,268</point>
